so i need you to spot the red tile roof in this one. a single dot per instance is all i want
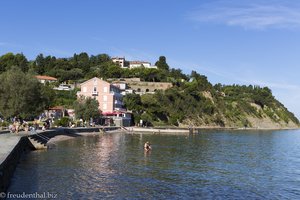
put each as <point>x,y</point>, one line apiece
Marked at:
<point>49,78</point>
<point>57,108</point>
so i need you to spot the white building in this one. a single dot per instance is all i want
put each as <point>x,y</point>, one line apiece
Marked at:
<point>119,60</point>
<point>135,64</point>
<point>132,64</point>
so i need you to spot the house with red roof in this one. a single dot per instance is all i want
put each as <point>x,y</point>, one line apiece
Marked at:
<point>45,79</point>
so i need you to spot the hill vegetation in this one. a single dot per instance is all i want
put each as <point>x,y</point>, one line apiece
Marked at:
<point>192,100</point>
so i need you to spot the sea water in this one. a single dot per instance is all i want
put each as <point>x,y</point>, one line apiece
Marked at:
<point>208,165</point>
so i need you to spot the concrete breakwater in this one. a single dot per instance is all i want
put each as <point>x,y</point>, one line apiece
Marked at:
<point>9,163</point>
<point>12,147</point>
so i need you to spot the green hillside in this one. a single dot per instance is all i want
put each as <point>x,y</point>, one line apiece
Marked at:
<point>192,100</point>
<point>198,103</point>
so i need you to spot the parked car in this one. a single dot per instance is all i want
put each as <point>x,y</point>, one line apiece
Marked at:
<point>63,87</point>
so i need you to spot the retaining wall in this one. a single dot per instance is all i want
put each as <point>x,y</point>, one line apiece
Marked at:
<point>7,167</point>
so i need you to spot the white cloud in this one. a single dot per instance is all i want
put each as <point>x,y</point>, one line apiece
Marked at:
<point>251,15</point>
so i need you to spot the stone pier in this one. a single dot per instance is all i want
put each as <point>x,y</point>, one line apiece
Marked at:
<point>12,146</point>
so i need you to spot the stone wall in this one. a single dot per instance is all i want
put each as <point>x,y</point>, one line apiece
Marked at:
<point>146,87</point>
<point>7,167</point>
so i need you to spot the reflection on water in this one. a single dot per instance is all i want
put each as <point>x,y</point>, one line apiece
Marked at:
<point>224,165</point>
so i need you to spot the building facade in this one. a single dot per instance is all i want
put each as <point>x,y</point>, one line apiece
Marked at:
<point>131,64</point>
<point>119,60</point>
<point>108,96</point>
<point>135,64</point>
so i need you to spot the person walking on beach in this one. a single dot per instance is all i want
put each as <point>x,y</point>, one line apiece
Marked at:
<point>26,127</point>
<point>12,128</point>
<point>17,126</point>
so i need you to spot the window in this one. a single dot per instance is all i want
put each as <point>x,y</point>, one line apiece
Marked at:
<point>105,89</point>
<point>84,89</point>
<point>104,106</point>
<point>104,98</point>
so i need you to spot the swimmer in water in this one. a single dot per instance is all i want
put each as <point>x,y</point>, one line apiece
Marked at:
<point>147,146</point>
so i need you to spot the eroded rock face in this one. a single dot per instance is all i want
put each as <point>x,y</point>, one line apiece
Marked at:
<point>252,122</point>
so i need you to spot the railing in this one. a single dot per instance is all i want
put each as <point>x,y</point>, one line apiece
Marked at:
<point>44,138</point>
<point>95,93</point>
<point>118,102</point>
<point>116,94</point>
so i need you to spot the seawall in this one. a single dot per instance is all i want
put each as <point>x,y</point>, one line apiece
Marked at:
<point>8,165</point>
<point>13,146</point>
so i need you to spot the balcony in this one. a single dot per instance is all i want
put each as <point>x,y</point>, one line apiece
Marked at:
<point>117,102</point>
<point>94,93</point>
<point>116,94</point>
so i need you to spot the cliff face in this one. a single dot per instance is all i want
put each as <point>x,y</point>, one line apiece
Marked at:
<point>253,122</point>
<point>256,123</point>
<point>199,103</point>
<point>268,123</point>
<point>266,117</point>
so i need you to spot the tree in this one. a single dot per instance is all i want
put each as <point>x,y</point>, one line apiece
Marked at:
<point>21,95</point>
<point>74,74</point>
<point>48,95</point>
<point>86,108</point>
<point>6,61</point>
<point>99,59</point>
<point>9,60</point>
<point>21,61</point>
<point>83,62</point>
<point>49,64</point>
<point>162,63</point>
<point>132,101</point>
<point>177,74</point>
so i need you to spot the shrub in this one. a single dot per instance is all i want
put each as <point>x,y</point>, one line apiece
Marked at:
<point>4,124</point>
<point>64,122</point>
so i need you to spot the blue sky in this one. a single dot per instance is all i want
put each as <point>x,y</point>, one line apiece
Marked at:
<point>230,41</point>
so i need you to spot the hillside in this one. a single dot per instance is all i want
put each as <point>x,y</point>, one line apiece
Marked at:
<point>192,100</point>
<point>198,103</point>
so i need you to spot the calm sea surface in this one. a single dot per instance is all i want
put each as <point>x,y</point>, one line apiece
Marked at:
<point>210,165</point>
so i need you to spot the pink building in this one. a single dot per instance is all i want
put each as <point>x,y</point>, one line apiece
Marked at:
<point>108,96</point>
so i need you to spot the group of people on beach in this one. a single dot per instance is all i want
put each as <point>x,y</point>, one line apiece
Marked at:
<point>18,125</point>
<point>21,125</point>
